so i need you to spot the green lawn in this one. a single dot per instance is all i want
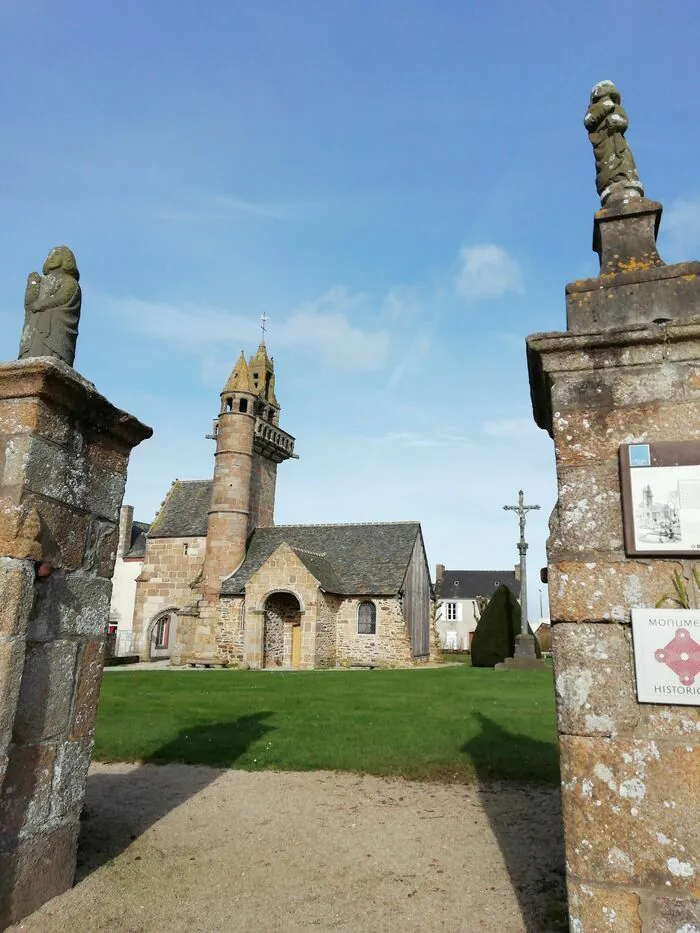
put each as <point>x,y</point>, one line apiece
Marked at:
<point>456,723</point>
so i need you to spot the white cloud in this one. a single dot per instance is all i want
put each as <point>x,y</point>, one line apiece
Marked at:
<point>411,439</point>
<point>321,327</point>
<point>486,271</point>
<point>227,207</point>
<point>511,427</point>
<point>402,304</point>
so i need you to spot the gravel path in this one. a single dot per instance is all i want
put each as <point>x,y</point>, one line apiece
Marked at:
<point>197,850</point>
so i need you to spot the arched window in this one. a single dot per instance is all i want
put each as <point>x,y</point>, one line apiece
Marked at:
<point>366,618</point>
<point>161,632</point>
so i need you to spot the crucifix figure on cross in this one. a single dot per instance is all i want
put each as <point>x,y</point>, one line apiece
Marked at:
<point>522,511</point>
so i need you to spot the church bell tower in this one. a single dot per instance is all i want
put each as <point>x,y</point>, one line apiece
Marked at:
<point>249,445</point>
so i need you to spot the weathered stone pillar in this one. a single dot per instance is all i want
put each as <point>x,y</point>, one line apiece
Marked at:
<point>63,456</point>
<point>627,370</point>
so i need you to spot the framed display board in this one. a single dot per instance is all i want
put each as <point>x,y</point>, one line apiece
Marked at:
<point>660,486</point>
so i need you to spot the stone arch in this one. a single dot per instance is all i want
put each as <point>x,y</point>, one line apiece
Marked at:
<point>162,630</point>
<point>282,612</point>
<point>281,589</point>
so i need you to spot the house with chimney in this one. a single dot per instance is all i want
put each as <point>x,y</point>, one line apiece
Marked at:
<point>461,596</point>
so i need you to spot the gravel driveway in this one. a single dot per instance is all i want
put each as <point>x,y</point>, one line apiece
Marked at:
<point>198,850</point>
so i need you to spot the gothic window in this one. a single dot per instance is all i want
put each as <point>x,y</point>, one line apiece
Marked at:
<point>366,618</point>
<point>452,612</point>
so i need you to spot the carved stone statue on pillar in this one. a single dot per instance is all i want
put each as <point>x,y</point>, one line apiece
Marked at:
<point>606,122</point>
<point>52,308</point>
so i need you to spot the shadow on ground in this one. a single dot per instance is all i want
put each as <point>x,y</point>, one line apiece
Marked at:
<point>533,858</point>
<point>133,807</point>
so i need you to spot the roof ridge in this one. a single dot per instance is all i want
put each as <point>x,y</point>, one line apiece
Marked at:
<point>336,524</point>
<point>486,570</point>
<point>192,481</point>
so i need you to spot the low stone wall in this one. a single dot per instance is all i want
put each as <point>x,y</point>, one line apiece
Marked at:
<point>63,458</point>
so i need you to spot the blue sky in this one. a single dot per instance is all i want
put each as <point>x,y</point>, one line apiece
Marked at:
<point>403,187</point>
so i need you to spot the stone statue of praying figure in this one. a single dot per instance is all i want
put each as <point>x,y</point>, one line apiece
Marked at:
<point>52,308</point>
<point>606,122</point>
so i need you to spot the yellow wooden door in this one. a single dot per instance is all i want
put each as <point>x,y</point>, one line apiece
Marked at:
<point>296,645</point>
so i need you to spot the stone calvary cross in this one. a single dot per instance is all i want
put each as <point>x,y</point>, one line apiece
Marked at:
<point>525,642</point>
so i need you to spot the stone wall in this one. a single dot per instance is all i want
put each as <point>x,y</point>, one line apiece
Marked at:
<point>263,483</point>
<point>63,456</point>
<point>229,629</point>
<point>326,630</point>
<point>165,583</point>
<point>389,647</point>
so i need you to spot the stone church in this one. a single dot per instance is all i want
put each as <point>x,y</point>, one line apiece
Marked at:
<point>220,583</point>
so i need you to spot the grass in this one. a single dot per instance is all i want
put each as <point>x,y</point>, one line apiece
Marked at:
<point>457,723</point>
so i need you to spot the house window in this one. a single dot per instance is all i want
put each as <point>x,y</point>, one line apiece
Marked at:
<point>162,631</point>
<point>366,618</point>
<point>452,612</point>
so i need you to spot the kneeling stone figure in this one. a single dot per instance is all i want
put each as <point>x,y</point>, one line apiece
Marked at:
<point>52,308</point>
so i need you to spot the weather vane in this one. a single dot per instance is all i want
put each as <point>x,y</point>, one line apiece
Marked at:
<point>263,325</point>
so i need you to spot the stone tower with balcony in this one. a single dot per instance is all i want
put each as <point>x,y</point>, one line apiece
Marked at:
<point>249,446</point>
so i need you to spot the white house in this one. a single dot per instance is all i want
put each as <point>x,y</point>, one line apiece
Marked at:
<point>458,594</point>
<point>130,554</point>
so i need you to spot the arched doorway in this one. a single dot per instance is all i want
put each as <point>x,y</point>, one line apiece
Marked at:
<point>282,636</point>
<point>161,637</point>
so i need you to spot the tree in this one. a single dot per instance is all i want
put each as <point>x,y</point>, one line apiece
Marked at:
<point>494,638</point>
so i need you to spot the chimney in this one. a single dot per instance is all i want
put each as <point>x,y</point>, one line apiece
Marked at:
<point>517,572</point>
<point>439,574</point>
<point>126,522</point>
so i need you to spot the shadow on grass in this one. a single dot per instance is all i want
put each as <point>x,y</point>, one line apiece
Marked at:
<point>533,853</point>
<point>119,807</point>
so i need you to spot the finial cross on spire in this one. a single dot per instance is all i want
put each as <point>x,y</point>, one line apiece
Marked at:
<point>263,325</point>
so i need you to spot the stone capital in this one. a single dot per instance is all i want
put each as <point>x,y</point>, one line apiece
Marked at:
<point>59,386</point>
<point>556,355</point>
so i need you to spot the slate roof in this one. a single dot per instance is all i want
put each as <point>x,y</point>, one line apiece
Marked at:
<point>137,549</point>
<point>184,513</point>
<point>468,584</point>
<point>350,560</point>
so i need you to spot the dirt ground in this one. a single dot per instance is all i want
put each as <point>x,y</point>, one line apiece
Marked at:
<point>197,850</point>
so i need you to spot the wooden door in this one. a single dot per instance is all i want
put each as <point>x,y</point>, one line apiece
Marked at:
<point>296,645</point>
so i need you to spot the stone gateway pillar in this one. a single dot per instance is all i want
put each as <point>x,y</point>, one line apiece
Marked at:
<point>63,457</point>
<point>627,371</point>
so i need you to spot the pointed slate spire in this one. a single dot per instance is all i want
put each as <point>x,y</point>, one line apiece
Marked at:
<point>239,380</point>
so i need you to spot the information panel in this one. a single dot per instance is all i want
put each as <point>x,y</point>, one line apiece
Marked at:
<point>661,499</point>
<point>667,655</point>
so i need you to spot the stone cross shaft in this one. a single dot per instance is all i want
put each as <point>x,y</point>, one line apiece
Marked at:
<point>522,511</point>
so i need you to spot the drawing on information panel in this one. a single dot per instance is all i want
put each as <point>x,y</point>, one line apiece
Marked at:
<point>661,498</point>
